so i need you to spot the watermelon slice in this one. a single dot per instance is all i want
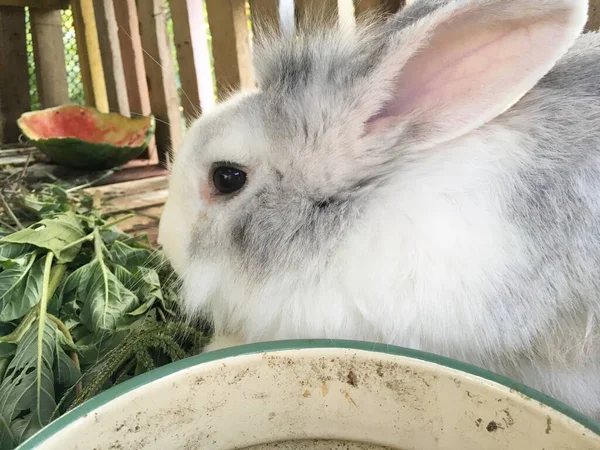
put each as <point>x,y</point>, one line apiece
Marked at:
<point>83,137</point>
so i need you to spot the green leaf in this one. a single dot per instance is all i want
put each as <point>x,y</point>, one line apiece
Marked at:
<point>20,289</point>
<point>23,429</point>
<point>93,347</point>
<point>128,256</point>
<point>124,275</point>
<point>7,349</point>
<point>143,308</point>
<point>7,440</point>
<point>27,387</point>
<point>52,234</point>
<point>14,252</point>
<point>105,299</point>
<point>148,283</point>
<point>67,373</point>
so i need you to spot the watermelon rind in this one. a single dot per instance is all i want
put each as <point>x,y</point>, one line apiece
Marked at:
<point>81,154</point>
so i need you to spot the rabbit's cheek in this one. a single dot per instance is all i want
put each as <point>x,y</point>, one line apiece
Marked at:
<point>206,194</point>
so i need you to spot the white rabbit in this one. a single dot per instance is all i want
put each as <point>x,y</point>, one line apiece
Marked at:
<point>432,181</point>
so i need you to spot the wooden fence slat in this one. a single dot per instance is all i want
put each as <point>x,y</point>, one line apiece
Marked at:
<point>202,59</point>
<point>133,56</point>
<point>384,6</point>
<point>134,68</point>
<point>265,13</point>
<point>84,63</point>
<point>14,92</point>
<point>186,17</point>
<point>230,45</point>
<point>324,10</point>
<point>85,25</point>
<point>49,4</point>
<point>49,56</point>
<point>593,23</point>
<point>112,62</point>
<point>308,10</point>
<point>160,72</point>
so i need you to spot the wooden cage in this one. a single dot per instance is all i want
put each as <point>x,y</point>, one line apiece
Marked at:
<point>169,58</point>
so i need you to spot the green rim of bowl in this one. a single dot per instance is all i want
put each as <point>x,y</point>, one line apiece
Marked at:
<point>107,396</point>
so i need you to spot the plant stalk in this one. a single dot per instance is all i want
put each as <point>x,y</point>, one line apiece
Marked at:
<point>42,323</point>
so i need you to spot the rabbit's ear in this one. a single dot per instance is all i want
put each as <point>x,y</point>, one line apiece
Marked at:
<point>467,62</point>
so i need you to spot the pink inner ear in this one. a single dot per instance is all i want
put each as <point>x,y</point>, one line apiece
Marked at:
<point>471,71</point>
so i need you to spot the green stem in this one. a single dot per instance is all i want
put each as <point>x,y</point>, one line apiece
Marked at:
<point>62,327</point>
<point>56,276</point>
<point>116,222</point>
<point>3,366</point>
<point>42,323</point>
<point>91,183</point>
<point>100,257</point>
<point>22,328</point>
<point>98,245</point>
<point>67,334</point>
<point>89,237</point>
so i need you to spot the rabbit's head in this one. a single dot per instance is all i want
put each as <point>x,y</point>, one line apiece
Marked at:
<point>272,184</point>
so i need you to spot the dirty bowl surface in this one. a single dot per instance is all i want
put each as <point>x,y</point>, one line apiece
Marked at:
<point>319,394</point>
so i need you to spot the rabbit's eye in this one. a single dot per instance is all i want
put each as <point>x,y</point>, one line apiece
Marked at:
<point>228,179</point>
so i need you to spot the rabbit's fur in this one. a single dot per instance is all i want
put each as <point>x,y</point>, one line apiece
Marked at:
<point>464,223</point>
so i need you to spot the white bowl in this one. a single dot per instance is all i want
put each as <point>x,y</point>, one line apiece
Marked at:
<point>314,394</point>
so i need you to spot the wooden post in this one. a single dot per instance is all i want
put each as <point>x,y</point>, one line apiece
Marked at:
<point>84,63</point>
<point>134,68</point>
<point>110,51</point>
<point>187,21</point>
<point>49,56</point>
<point>230,45</point>
<point>264,13</point>
<point>378,6</point>
<point>160,72</point>
<point>84,20</point>
<point>308,11</point>
<point>14,77</point>
<point>593,23</point>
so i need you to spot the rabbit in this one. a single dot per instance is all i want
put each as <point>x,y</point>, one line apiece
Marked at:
<point>429,180</point>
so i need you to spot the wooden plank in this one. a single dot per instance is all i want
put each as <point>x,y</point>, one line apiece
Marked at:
<point>593,23</point>
<point>49,56</point>
<point>322,9</point>
<point>133,56</point>
<point>84,63</point>
<point>134,69</point>
<point>182,13</point>
<point>145,198</point>
<point>49,4</point>
<point>14,77</point>
<point>230,45</point>
<point>315,10</point>
<point>160,71</point>
<point>132,195</point>
<point>377,6</point>
<point>130,173</point>
<point>265,14</point>
<point>202,57</point>
<point>112,61</point>
<point>17,156</point>
<point>86,22</point>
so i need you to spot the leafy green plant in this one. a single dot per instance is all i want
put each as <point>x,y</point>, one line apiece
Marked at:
<point>83,306</point>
